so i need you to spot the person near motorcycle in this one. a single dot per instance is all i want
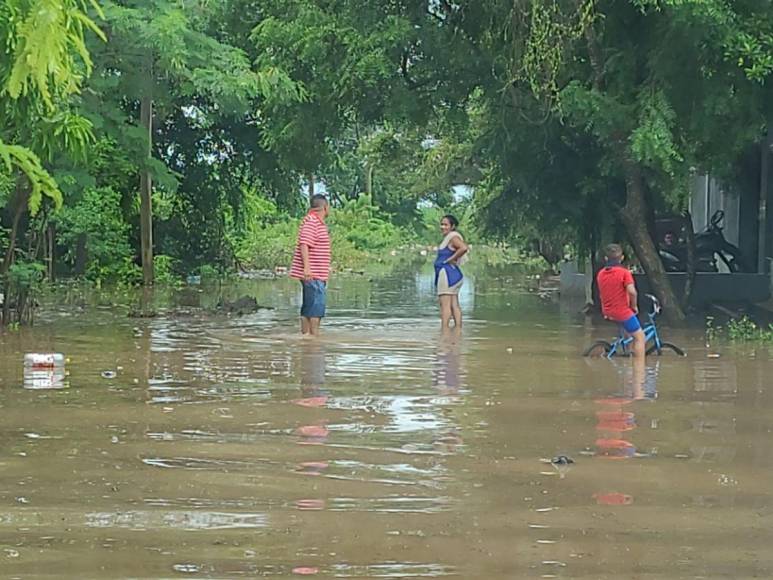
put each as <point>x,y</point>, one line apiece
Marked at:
<point>712,250</point>
<point>673,253</point>
<point>669,240</point>
<point>619,298</point>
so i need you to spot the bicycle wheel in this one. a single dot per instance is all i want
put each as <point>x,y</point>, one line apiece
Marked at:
<point>597,349</point>
<point>666,347</point>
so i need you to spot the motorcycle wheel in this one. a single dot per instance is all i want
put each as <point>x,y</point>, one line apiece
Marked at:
<point>666,348</point>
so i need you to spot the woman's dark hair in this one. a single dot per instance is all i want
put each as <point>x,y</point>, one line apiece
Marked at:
<point>451,220</point>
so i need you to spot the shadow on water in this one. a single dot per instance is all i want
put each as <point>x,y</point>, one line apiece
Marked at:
<point>382,449</point>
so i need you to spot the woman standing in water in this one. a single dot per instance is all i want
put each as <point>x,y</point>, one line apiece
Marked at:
<point>448,276</point>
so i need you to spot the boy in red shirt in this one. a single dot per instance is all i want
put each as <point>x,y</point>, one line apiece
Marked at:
<point>619,298</point>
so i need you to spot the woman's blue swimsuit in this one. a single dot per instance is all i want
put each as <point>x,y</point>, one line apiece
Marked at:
<point>453,272</point>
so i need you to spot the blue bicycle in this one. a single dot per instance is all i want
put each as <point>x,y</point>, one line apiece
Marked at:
<point>620,346</point>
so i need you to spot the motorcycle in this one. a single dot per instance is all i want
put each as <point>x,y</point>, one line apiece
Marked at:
<point>710,244</point>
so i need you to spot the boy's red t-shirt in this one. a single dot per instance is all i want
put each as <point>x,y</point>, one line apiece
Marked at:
<point>613,281</point>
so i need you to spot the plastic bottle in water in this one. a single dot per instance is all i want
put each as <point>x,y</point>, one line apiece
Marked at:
<point>45,378</point>
<point>37,360</point>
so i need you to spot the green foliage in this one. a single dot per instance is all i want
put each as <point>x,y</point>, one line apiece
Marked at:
<point>742,329</point>
<point>165,270</point>
<point>536,106</point>
<point>359,222</point>
<point>263,237</point>
<point>18,157</point>
<point>653,141</point>
<point>343,58</point>
<point>98,216</point>
<point>259,235</point>
<point>267,247</point>
<point>25,276</point>
<point>746,330</point>
<point>45,38</point>
<point>45,57</point>
<point>22,284</point>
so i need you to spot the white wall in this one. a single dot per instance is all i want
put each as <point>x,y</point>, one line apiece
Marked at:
<point>708,195</point>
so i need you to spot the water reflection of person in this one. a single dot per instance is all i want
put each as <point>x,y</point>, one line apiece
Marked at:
<point>312,379</point>
<point>445,374</point>
<point>643,381</point>
<point>447,378</point>
<point>312,374</point>
<point>616,421</point>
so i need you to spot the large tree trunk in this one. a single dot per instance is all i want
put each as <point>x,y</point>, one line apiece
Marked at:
<point>81,254</point>
<point>369,181</point>
<point>51,252</point>
<point>146,191</point>
<point>22,198</point>
<point>310,179</point>
<point>634,216</point>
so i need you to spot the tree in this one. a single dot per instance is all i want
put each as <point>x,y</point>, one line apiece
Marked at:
<point>162,62</point>
<point>349,61</point>
<point>607,71</point>
<point>41,75</point>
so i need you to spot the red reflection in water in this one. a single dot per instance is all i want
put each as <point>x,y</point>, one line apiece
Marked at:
<point>615,448</point>
<point>613,401</point>
<point>305,570</point>
<point>311,401</point>
<point>312,434</point>
<point>613,498</point>
<point>616,420</point>
<point>312,467</point>
<point>310,504</point>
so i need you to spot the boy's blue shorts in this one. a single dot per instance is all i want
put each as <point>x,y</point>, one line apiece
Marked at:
<point>314,299</point>
<point>631,325</point>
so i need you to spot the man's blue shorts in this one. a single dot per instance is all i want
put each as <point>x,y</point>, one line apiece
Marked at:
<point>631,325</point>
<point>314,299</point>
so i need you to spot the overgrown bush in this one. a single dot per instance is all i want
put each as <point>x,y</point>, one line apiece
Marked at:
<point>22,285</point>
<point>263,237</point>
<point>165,268</point>
<point>260,236</point>
<point>742,329</point>
<point>746,330</point>
<point>95,226</point>
<point>359,222</point>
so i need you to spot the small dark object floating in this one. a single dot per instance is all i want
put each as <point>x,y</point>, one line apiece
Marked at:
<point>562,460</point>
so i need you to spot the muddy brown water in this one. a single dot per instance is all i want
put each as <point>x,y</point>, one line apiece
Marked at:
<point>229,447</point>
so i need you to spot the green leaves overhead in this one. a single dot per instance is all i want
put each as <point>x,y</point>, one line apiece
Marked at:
<point>41,183</point>
<point>167,43</point>
<point>341,64</point>
<point>653,140</point>
<point>45,42</point>
<point>46,39</point>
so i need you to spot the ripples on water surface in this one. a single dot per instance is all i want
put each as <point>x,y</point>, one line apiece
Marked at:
<point>230,447</point>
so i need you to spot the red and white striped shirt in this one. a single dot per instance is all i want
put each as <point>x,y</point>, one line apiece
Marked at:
<point>314,234</point>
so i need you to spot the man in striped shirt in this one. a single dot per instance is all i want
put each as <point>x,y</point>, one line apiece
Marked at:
<point>311,264</point>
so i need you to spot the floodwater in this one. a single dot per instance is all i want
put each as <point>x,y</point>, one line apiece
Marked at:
<point>201,446</point>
